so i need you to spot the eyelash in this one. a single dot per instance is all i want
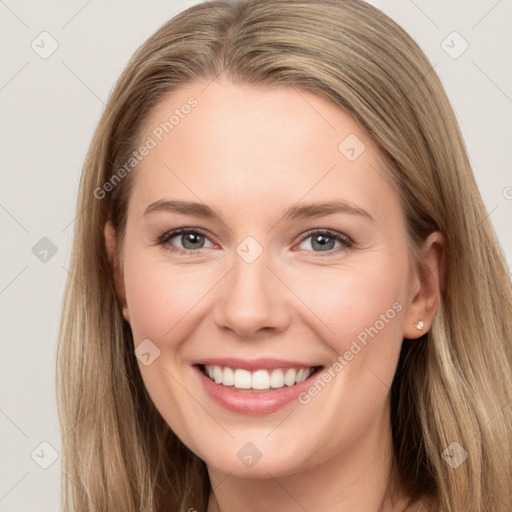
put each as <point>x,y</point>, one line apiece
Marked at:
<point>346,241</point>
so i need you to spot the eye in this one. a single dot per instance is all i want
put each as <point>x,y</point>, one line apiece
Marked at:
<point>324,240</point>
<point>192,240</point>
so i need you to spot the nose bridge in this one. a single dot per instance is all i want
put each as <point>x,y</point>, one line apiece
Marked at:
<point>251,298</point>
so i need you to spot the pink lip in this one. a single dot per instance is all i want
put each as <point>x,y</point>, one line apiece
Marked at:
<point>259,403</point>
<point>264,363</point>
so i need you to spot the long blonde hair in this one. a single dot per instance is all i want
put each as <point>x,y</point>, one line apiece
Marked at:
<point>454,385</point>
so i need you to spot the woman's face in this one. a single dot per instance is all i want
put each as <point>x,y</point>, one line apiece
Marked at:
<point>258,293</point>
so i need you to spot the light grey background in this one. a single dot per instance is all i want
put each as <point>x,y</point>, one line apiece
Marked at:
<point>49,109</point>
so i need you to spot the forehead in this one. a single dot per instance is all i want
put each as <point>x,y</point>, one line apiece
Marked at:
<point>253,150</point>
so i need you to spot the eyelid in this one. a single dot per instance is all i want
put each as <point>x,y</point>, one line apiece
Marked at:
<point>346,241</point>
<point>162,239</point>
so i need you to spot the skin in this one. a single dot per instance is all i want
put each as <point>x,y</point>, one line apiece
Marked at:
<point>249,153</point>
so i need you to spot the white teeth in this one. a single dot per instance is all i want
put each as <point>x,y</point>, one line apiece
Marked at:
<point>228,377</point>
<point>289,377</point>
<point>242,379</point>
<point>277,379</point>
<point>259,379</point>
<point>217,374</point>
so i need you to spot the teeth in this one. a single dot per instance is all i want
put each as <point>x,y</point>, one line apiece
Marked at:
<point>259,379</point>
<point>242,379</point>
<point>217,374</point>
<point>277,379</point>
<point>228,377</point>
<point>289,377</point>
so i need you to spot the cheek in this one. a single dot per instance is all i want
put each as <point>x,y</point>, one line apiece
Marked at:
<point>359,314</point>
<point>349,301</point>
<point>161,294</point>
<point>165,301</point>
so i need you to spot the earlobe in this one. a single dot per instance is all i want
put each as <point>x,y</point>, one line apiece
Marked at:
<point>426,288</point>
<point>111,247</point>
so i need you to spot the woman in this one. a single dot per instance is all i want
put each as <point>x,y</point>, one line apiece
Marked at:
<point>339,339</point>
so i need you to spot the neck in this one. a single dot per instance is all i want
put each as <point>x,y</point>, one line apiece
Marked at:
<point>358,478</point>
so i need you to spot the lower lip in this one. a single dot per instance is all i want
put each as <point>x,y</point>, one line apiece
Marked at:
<point>250,403</point>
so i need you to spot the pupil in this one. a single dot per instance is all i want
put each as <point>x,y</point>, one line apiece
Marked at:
<point>324,242</point>
<point>191,238</point>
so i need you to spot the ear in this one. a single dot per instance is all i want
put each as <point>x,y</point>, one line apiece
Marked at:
<point>111,246</point>
<point>426,285</point>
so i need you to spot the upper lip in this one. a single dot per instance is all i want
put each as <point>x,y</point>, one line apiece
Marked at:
<point>264,363</point>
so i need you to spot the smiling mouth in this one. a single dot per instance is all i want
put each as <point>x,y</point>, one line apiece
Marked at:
<point>259,380</point>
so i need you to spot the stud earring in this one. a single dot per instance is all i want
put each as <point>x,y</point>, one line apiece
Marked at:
<point>419,325</point>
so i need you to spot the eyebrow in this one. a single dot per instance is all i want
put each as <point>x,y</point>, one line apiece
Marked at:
<point>297,211</point>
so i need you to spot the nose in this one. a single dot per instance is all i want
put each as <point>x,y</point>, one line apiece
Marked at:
<point>251,300</point>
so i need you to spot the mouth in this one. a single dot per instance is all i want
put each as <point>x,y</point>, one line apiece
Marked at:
<point>257,381</point>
